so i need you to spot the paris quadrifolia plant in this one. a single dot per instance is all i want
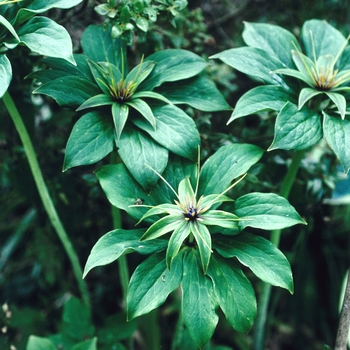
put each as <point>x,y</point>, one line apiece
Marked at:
<point>196,236</point>
<point>309,91</point>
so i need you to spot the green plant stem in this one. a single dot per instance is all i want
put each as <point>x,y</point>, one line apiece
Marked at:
<point>45,196</point>
<point>122,261</point>
<point>259,330</point>
<point>344,320</point>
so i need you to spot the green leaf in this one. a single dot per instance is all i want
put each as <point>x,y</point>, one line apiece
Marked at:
<point>9,27</point>
<point>120,113</point>
<point>40,6</point>
<point>176,131</point>
<point>306,66</point>
<point>172,65</point>
<point>265,260</point>
<point>175,242</point>
<point>260,99</point>
<point>234,293</point>
<point>307,94</point>
<point>266,211</point>
<point>122,190</point>
<point>220,218</point>
<point>273,39</point>
<point>198,301</point>
<point>125,14</point>
<point>165,208</point>
<point>90,344</point>
<point>97,101</point>
<point>163,226</point>
<point>185,190</point>
<point>337,134</point>
<point>150,94</point>
<point>339,101</point>
<point>91,139</point>
<point>61,91</point>
<point>45,37</point>
<point>227,164</point>
<point>203,239</point>
<point>320,37</point>
<point>38,343</point>
<point>295,74</point>
<point>120,242</point>
<point>138,74</point>
<point>137,151</point>
<point>151,283</point>
<point>144,109</point>
<point>101,74</point>
<point>142,23</point>
<point>199,92</point>
<point>296,129</point>
<point>99,46</point>
<point>138,6</point>
<point>76,320</point>
<point>5,74</point>
<point>254,62</point>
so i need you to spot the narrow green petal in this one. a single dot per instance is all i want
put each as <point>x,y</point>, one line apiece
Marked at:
<point>295,74</point>
<point>176,240</point>
<point>166,208</point>
<point>339,101</point>
<point>185,191</point>
<point>120,113</point>
<point>144,109</point>
<point>220,218</point>
<point>208,201</point>
<point>150,94</point>
<point>96,101</point>
<point>203,239</point>
<point>162,226</point>
<point>307,94</point>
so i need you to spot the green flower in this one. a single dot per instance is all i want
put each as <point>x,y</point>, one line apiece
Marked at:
<point>321,76</point>
<point>189,218</point>
<point>121,92</point>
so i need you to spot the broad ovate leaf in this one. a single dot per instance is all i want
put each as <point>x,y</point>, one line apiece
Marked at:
<point>265,260</point>
<point>266,211</point>
<point>226,164</point>
<point>119,242</point>
<point>5,74</point>
<point>320,38</point>
<point>91,139</point>
<point>254,62</point>
<point>140,155</point>
<point>337,134</point>
<point>260,99</point>
<point>198,300</point>
<point>175,130</point>
<point>234,292</point>
<point>273,39</point>
<point>45,37</point>
<point>151,283</point>
<point>172,65</point>
<point>296,129</point>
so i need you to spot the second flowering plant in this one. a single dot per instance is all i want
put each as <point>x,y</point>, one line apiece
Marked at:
<point>308,90</point>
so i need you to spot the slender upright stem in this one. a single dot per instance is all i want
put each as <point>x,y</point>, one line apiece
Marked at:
<point>122,261</point>
<point>45,196</point>
<point>259,330</point>
<point>344,321</point>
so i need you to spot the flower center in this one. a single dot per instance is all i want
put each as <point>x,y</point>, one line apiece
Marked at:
<point>191,214</point>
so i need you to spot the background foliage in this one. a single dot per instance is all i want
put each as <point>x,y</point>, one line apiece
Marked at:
<point>35,275</point>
